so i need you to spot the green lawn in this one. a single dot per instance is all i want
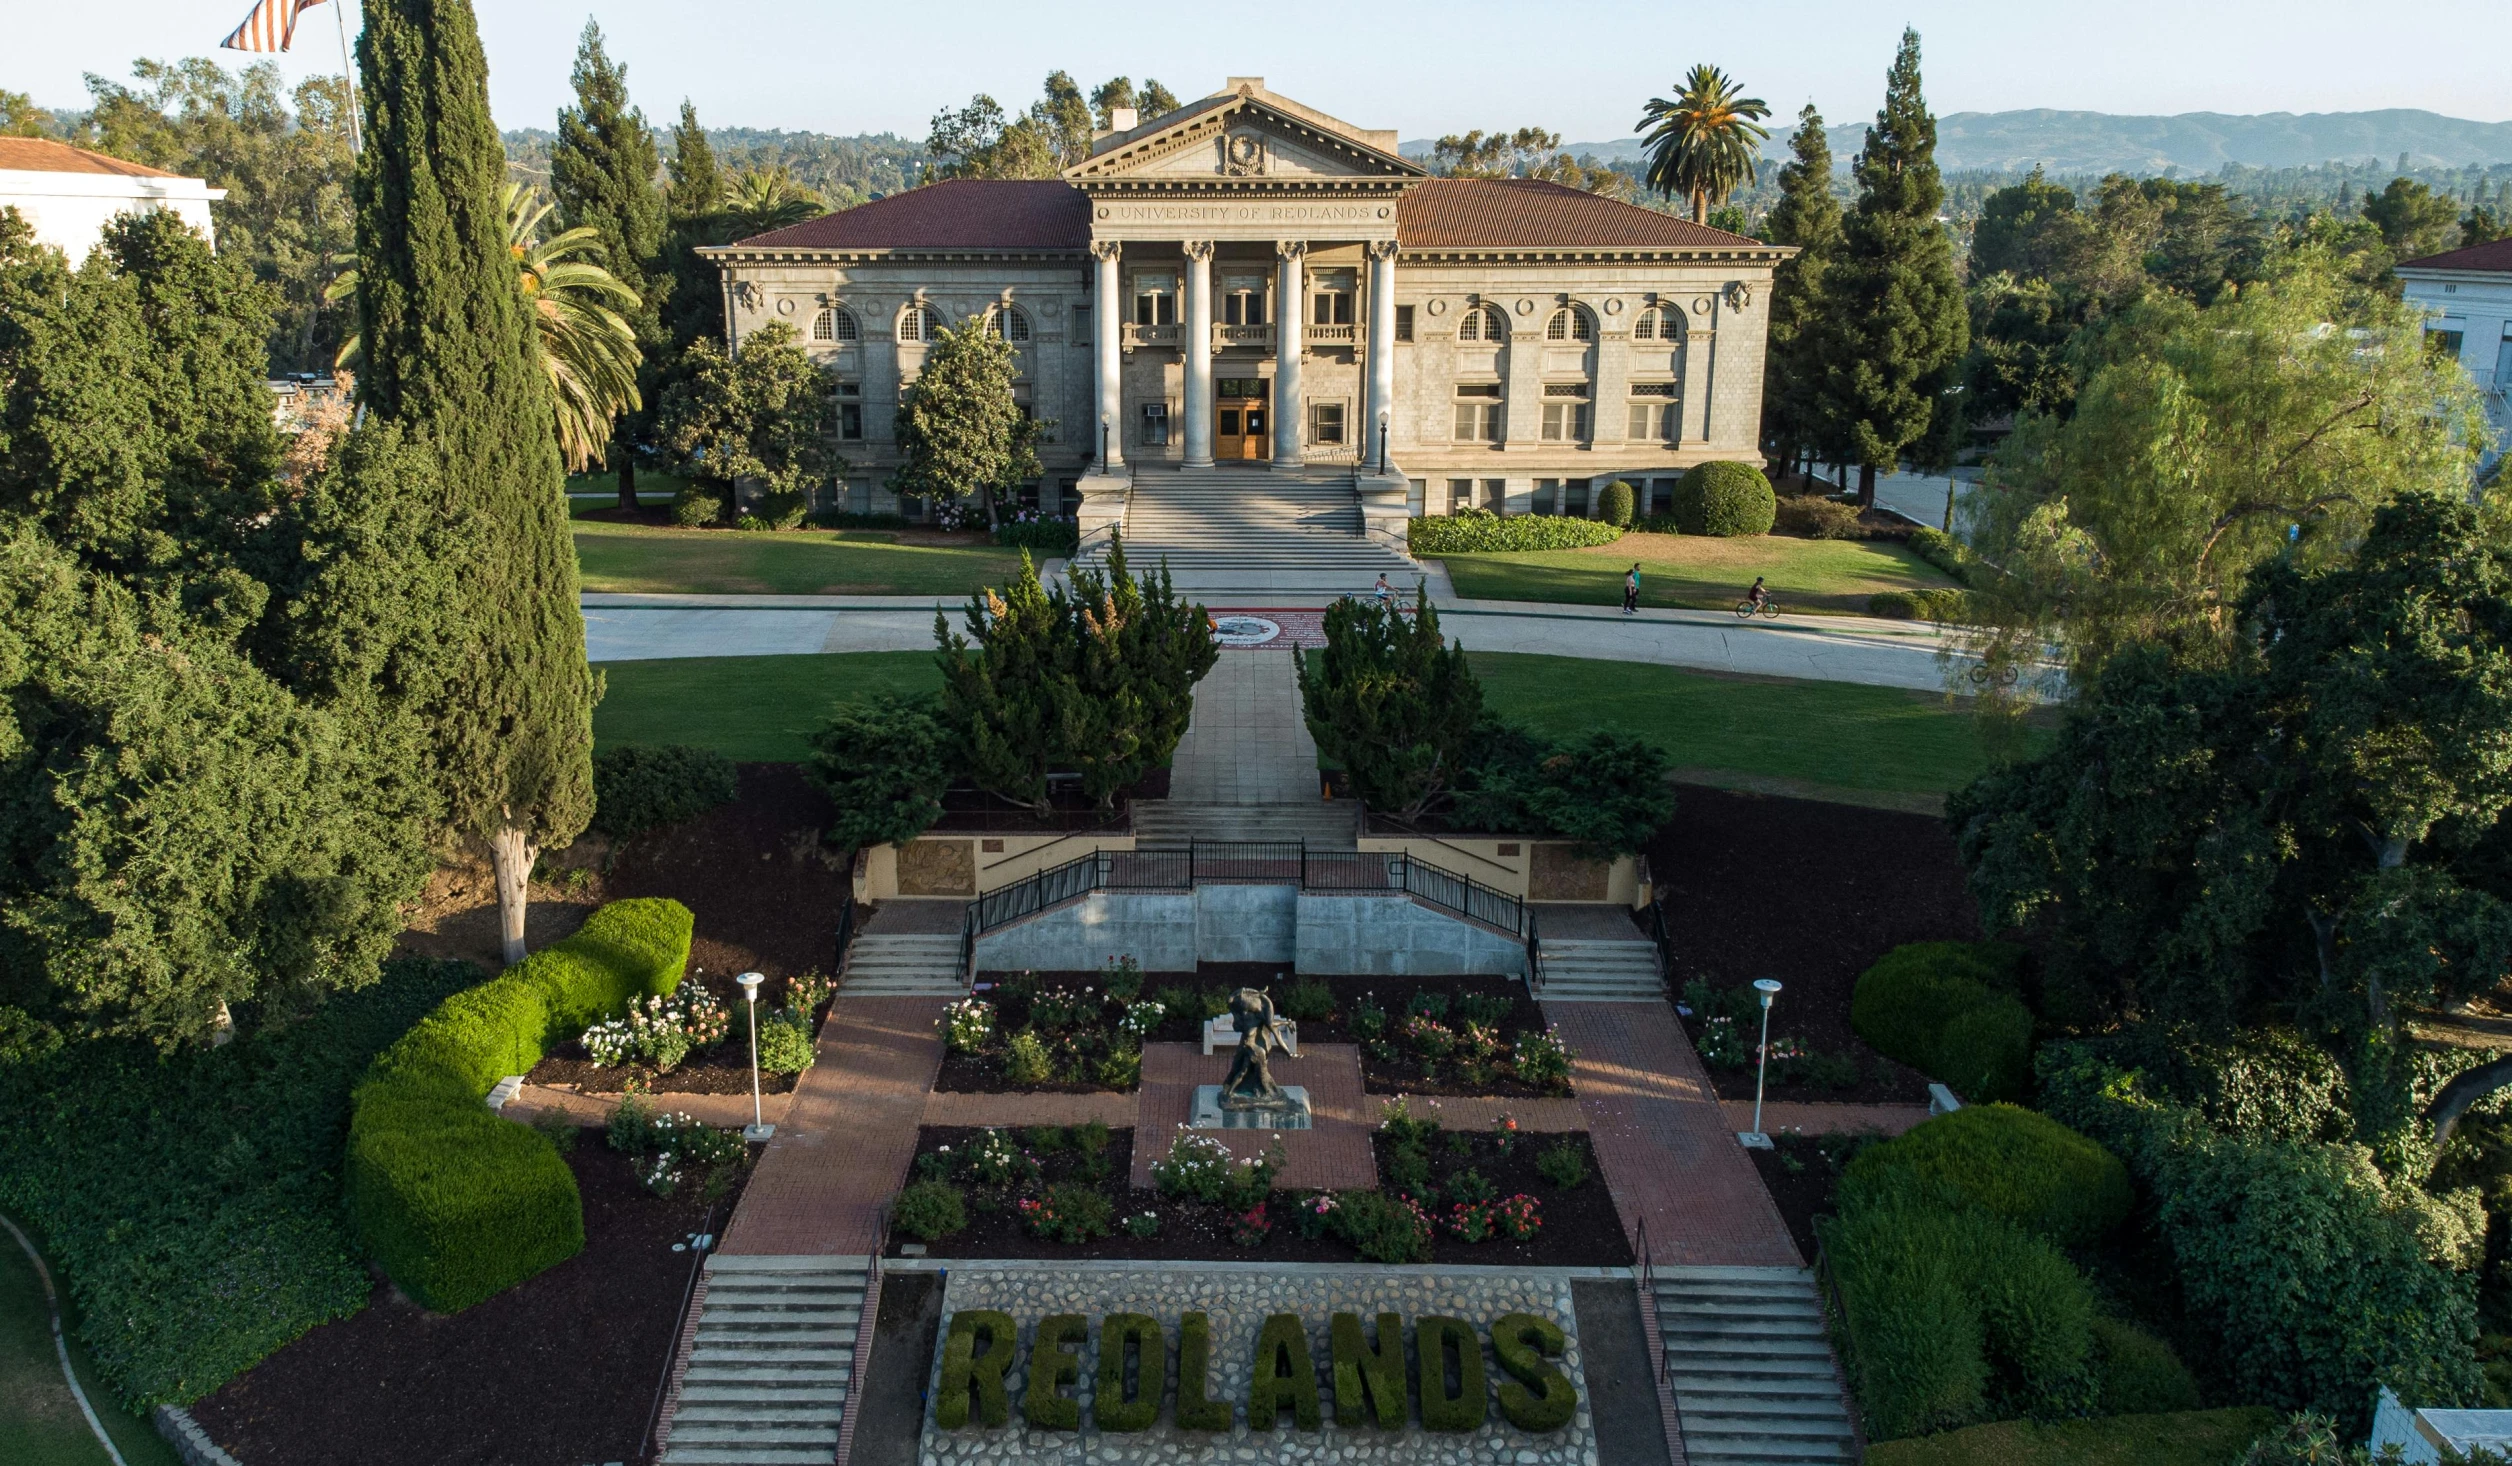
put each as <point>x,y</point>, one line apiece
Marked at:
<point>1827,735</point>
<point>1700,573</point>
<point>636,557</point>
<point>752,709</point>
<point>40,1424</point>
<point>2188,1438</point>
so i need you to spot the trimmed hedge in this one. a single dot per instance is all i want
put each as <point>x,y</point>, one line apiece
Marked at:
<point>1947,1010</point>
<point>1615,503</point>
<point>1937,604</point>
<point>456,1203</point>
<point>1942,551</point>
<point>1059,537</point>
<point>639,787</point>
<point>1725,499</point>
<point>2025,1167</point>
<point>2140,1375</point>
<point>1818,518</point>
<point>1477,531</point>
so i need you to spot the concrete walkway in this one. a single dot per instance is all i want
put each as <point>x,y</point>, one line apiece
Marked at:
<point>625,628</point>
<point>1246,742</point>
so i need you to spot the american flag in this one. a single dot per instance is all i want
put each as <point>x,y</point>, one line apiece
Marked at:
<point>271,26</point>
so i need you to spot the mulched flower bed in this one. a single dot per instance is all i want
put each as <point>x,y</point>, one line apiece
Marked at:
<point>724,1071</point>
<point>1580,1227</point>
<point>1800,1175</point>
<point>1072,1033</point>
<point>560,1368</point>
<point>766,891</point>
<point>1854,884</point>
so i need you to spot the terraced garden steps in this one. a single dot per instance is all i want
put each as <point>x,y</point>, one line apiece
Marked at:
<point>905,965</point>
<point>773,1362</point>
<point>1751,1367</point>
<point>1593,970</point>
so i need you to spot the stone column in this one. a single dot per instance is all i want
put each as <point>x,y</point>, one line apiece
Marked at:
<point>1700,384</point>
<point>1197,339</point>
<point>1290,333</point>
<point>1377,419</point>
<point>1108,322</point>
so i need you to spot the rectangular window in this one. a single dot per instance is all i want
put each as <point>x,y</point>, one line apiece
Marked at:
<point>1460,494</point>
<point>850,411</point>
<point>1656,413</point>
<point>1081,325</point>
<point>1155,425</point>
<point>1496,495</point>
<point>1547,497</point>
<point>1404,323</point>
<point>1661,496</point>
<point>1574,497</point>
<point>1565,412</point>
<point>2445,344</point>
<point>1331,308</point>
<point>1155,300</point>
<point>1243,300</point>
<point>1325,423</point>
<point>1478,412</point>
<point>1417,496</point>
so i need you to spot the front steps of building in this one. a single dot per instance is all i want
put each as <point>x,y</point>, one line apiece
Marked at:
<point>1593,970</point>
<point>904,965</point>
<point>774,1359</point>
<point>1247,527</point>
<point>1166,822</point>
<point>1751,1367</point>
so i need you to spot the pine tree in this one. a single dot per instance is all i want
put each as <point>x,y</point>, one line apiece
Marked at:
<point>1808,217</point>
<point>602,171</point>
<point>693,202</point>
<point>449,353</point>
<point>1894,324</point>
<point>1391,702</point>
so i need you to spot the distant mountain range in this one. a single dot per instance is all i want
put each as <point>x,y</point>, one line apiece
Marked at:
<point>2193,142</point>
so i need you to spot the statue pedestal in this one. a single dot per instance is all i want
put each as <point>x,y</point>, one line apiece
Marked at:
<point>1291,1114</point>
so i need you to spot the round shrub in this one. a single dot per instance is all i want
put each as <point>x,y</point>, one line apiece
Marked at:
<point>1985,1051</point>
<point>1945,1009</point>
<point>929,1211</point>
<point>2015,1162</point>
<point>1818,518</point>
<point>1615,503</point>
<point>785,1043</point>
<point>2138,1373</point>
<point>695,508</point>
<point>1725,499</point>
<point>639,787</point>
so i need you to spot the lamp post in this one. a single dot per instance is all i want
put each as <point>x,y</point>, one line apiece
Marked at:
<point>1755,1139</point>
<point>759,1129</point>
<point>1106,422</point>
<point>1382,442</point>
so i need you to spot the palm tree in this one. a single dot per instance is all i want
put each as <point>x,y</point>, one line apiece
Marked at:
<point>757,200</point>
<point>586,344</point>
<point>1701,142</point>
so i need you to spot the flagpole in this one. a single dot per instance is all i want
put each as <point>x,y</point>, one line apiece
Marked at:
<point>348,72</point>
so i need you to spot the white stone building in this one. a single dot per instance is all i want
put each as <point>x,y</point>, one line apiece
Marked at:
<point>2467,298</point>
<point>69,194</point>
<point>1248,282</point>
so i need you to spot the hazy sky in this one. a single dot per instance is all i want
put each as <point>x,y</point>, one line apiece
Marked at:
<point>1580,67</point>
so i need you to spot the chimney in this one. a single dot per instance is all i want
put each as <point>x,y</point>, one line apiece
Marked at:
<point>1123,119</point>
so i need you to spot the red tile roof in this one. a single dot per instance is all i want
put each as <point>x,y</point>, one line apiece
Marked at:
<point>962,213</point>
<point>1439,213</point>
<point>1527,213</point>
<point>2495,256</point>
<point>43,155</point>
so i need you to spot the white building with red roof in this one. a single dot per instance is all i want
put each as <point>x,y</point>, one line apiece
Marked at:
<point>2467,298</point>
<point>1247,285</point>
<point>69,194</point>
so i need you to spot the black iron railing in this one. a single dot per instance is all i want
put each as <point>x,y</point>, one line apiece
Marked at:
<point>845,931</point>
<point>1534,955</point>
<point>1265,862</point>
<point>1836,1320</point>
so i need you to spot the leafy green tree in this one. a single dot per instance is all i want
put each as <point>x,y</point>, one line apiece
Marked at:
<point>450,357</point>
<point>1608,792</point>
<point>20,117</point>
<point>764,417</point>
<point>2031,230</point>
<point>2201,443</point>
<point>1530,152</point>
<point>1702,141</point>
<point>1156,100</point>
<point>979,141</point>
<point>1894,323</point>
<point>602,171</point>
<point>2020,333</point>
<point>1807,216</point>
<point>2483,226</point>
<point>1391,702</point>
<point>960,432</point>
<point>886,765</point>
<point>2414,220</point>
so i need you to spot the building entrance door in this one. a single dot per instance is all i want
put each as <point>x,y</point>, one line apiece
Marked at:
<point>1242,426</point>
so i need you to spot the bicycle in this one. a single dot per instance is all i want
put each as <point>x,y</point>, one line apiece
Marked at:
<point>2003,677</point>
<point>1770,609</point>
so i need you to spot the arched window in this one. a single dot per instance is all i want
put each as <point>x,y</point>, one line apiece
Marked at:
<point>834,324</point>
<point>919,323</point>
<point>1483,323</point>
<point>1569,324</point>
<point>1008,324</point>
<point>1657,323</point>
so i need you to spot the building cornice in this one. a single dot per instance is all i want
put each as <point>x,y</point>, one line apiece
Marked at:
<point>735,254</point>
<point>1597,255</point>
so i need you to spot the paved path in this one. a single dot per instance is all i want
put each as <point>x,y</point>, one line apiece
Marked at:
<point>1334,1155</point>
<point>1246,742</point>
<point>848,1136</point>
<point>624,628</point>
<point>1666,1146</point>
<point>1803,1117</point>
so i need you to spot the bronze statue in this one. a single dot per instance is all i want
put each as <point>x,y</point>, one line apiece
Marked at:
<point>1250,1085</point>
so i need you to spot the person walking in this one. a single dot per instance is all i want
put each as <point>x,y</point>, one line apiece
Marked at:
<point>1631,591</point>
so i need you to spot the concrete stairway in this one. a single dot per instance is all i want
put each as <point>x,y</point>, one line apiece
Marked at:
<point>1592,970</point>
<point>1323,826</point>
<point>1751,1368</point>
<point>904,965</point>
<point>769,1374</point>
<point>1249,528</point>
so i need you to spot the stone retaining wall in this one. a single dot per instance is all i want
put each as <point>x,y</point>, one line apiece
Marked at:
<point>1363,935</point>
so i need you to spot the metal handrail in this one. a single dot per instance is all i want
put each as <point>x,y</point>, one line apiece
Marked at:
<point>1535,965</point>
<point>1662,944</point>
<point>680,1323</point>
<point>845,933</point>
<point>1648,1298</point>
<point>1836,1310</point>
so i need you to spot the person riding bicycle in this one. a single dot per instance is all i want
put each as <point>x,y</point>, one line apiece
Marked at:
<point>1385,593</point>
<point>1759,598</point>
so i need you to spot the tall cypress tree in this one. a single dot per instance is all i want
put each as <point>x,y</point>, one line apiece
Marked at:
<point>1894,327</point>
<point>1808,217</point>
<point>449,356</point>
<point>602,170</point>
<point>693,308</point>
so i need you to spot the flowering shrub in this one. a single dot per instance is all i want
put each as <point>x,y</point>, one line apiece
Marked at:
<point>1197,1166</point>
<point>1519,1218</point>
<point>1058,1009</point>
<point>1505,1134</point>
<point>1472,1221</point>
<point>660,1029</point>
<point>1123,978</point>
<point>809,993</point>
<point>1470,1185</point>
<point>967,1024</point>
<point>1143,1224</point>
<point>995,1161</point>
<point>1428,1036</point>
<point>1250,1228</point>
<point>609,1044</point>
<point>1723,1045</point>
<point>1784,1054</point>
<point>1025,1059</point>
<point>1543,1060</point>
<point>1383,1228</point>
<point>1316,1215</point>
<point>1368,1021</point>
<point>681,1144</point>
<point>1068,1213</point>
<point>1478,1043</point>
<point>1142,1018</point>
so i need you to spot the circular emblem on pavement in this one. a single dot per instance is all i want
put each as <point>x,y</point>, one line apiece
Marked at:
<point>1244,630</point>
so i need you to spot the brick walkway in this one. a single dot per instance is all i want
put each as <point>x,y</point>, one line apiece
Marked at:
<point>1811,1118</point>
<point>1479,1112</point>
<point>1116,1111</point>
<point>1334,1155</point>
<point>849,1135</point>
<point>1666,1146</point>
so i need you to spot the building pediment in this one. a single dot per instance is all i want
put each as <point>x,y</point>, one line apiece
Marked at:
<point>1247,139</point>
